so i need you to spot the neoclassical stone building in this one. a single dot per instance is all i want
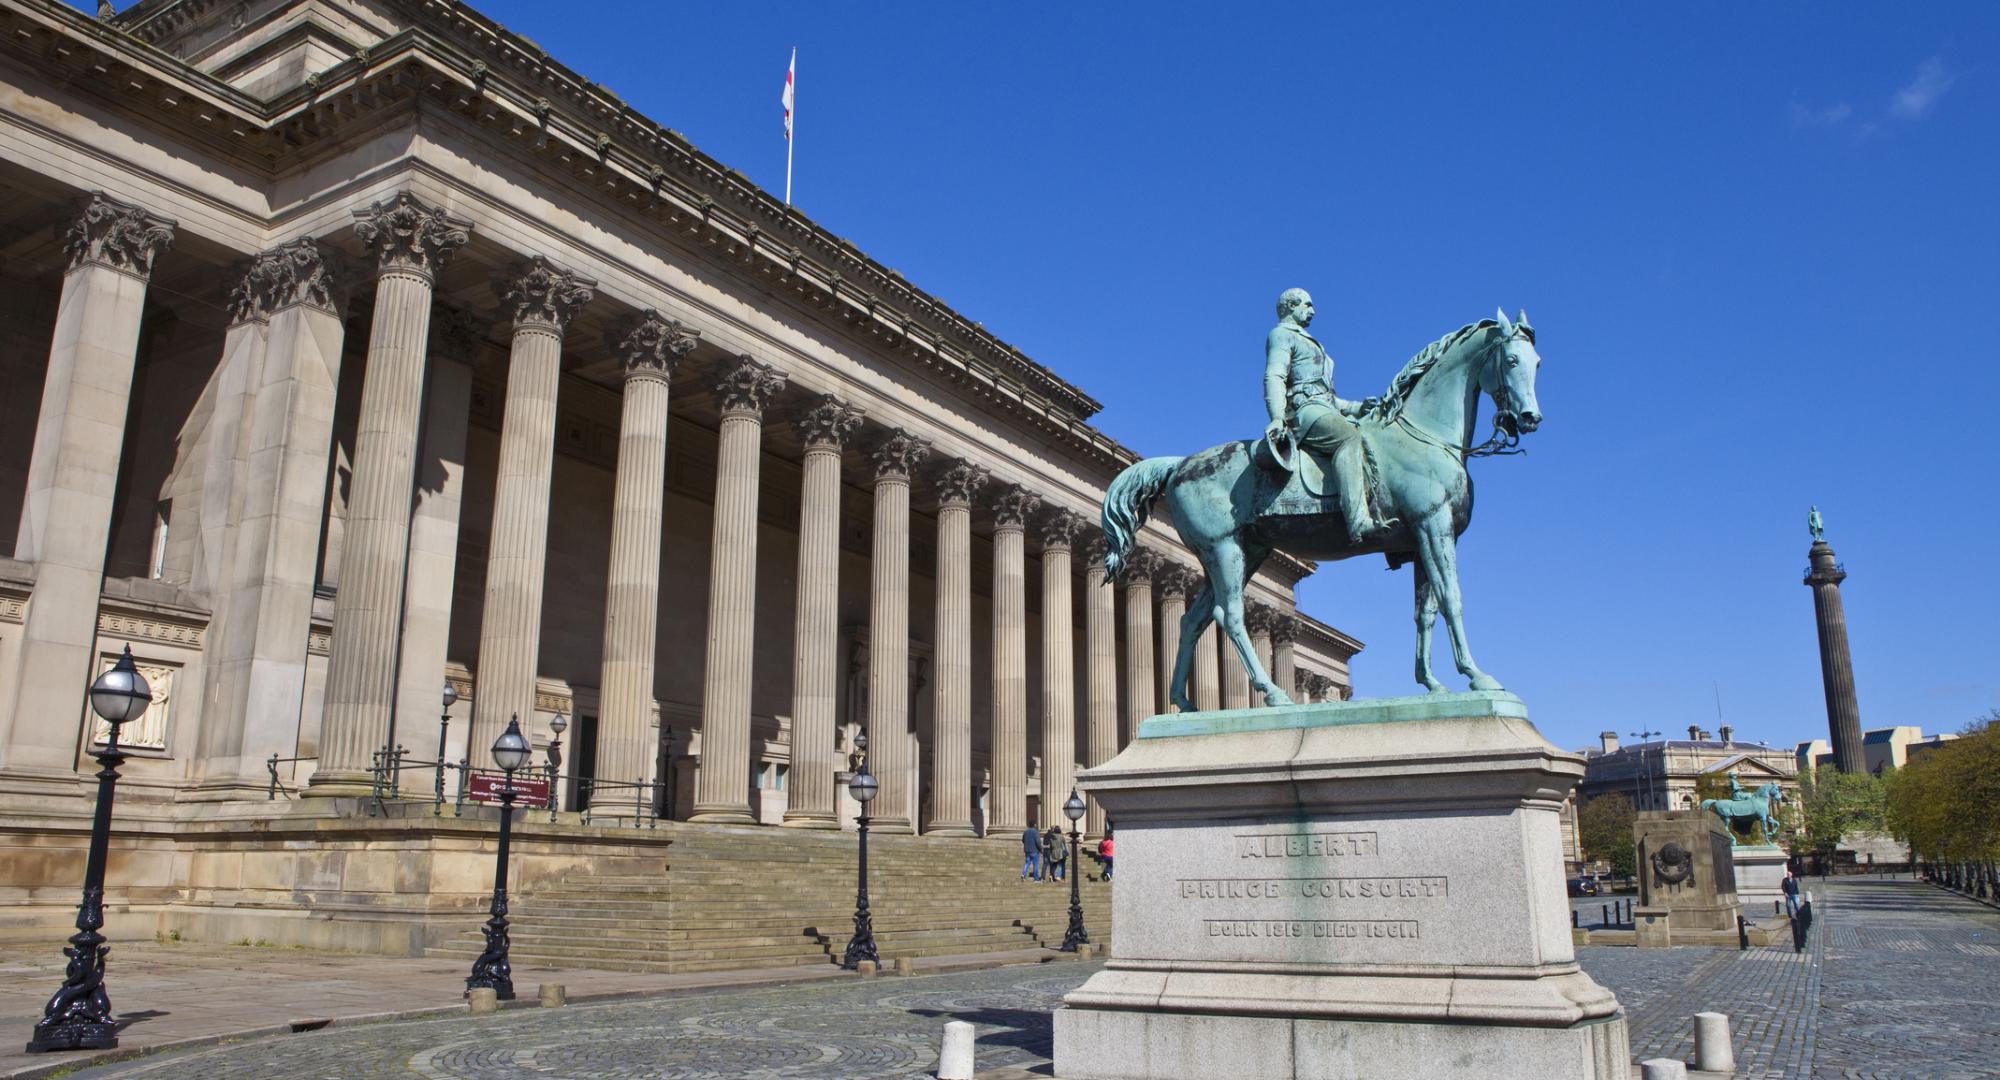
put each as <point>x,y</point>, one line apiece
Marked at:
<point>358,346</point>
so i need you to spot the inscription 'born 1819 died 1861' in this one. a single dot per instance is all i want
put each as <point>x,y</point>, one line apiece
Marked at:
<point>1336,844</point>
<point>1388,888</point>
<point>1318,928</point>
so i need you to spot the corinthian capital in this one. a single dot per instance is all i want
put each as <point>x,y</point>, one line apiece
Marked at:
<point>1258,618</point>
<point>1014,506</point>
<point>1096,550</point>
<point>298,273</point>
<point>1173,579</point>
<point>898,455</point>
<point>1059,530</point>
<point>1284,628</point>
<point>407,235</point>
<point>1140,564</point>
<point>828,422</point>
<point>959,483</point>
<point>538,293</point>
<point>650,345</point>
<point>746,387</point>
<point>109,233</point>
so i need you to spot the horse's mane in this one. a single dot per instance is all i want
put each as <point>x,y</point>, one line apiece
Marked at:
<point>1426,358</point>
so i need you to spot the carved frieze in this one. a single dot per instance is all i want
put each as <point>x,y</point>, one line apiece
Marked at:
<point>131,626</point>
<point>1013,506</point>
<point>538,293</point>
<point>118,235</point>
<point>406,235</point>
<point>827,423</point>
<point>898,455</point>
<point>746,387</point>
<point>650,345</point>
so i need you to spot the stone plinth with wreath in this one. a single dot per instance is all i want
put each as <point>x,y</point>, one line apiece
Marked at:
<point>1687,881</point>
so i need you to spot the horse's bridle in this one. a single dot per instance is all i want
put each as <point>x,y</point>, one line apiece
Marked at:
<point>1501,443</point>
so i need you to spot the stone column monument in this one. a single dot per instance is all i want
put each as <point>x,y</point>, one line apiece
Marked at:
<point>1843,716</point>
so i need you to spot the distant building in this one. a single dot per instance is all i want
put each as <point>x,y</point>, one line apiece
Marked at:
<point>1882,748</point>
<point>1662,775</point>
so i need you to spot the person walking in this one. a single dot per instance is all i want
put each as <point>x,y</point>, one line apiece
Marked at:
<point>1031,851</point>
<point>1055,854</point>
<point>1791,888</point>
<point>1104,852</point>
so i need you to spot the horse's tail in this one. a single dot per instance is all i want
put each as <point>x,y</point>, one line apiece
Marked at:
<point>1127,502</point>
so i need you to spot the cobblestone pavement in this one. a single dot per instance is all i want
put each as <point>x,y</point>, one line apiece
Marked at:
<point>1899,981</point>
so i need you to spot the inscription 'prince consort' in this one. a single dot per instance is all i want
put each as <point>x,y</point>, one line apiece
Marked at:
<point>1332,844</point>
<point>1388,888</point>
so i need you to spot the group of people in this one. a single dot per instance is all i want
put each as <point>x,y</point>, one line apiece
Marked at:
<point>1045,857</point>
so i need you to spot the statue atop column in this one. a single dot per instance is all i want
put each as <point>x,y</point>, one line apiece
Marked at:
<point>1816,526</point>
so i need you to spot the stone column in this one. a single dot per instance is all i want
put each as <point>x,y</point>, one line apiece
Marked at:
<point>411,242</point>
<point>722,786</point>
<point>1258,620</point>
<point>1058,668</point>
<point>951,644</point>
<point>264,593</point>
<point>1284,663</point>
<point>1235,677</point>
<point>1100,644</point>
<point>1836,666</point>
<point>650,347</point>
<point>1172,581</point>
<point>1206,676</point>
<point>890,755</point>
<point>541,299</point>
<point>428,589</point>
<point>825,427</point>
<point>1139,679</point>
<point>1007,802</point>
<point>73,472</point>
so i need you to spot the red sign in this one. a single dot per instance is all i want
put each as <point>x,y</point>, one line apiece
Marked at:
<point>532,790</point>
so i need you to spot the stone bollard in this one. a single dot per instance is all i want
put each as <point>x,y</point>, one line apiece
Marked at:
<point>1663,1069</point>
<point>1085,951</point>
<point>553,995</point>
<point>955,1059</point>
<point>865,969</point>
<point>906,966</point>
<point>1711,1043</point>
<point>482,1000</point>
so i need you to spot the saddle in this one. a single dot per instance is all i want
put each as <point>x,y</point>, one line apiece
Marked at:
<point>1308,467</point>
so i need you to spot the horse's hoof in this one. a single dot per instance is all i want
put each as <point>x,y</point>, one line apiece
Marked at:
<point>1277,698</point>
<point>1433,686</point>
<point>1183,704</point>
<point>1483,681</point>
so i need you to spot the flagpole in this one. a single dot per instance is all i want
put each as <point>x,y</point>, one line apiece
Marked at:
<point>791,120</point>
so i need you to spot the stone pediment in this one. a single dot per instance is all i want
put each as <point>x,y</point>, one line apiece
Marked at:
<point>1747,765</point>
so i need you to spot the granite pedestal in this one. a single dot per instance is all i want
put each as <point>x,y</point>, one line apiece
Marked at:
<point>1344,889</point>
<point>1687,878</point>
<point>1760,877</point>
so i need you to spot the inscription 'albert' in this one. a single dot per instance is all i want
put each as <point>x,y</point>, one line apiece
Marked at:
<point>1312,844</point>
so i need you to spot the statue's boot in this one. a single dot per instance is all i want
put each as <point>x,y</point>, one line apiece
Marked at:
<point>1350,479</point>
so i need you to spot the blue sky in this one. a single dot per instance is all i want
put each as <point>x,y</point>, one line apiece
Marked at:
<point>1758,243</point>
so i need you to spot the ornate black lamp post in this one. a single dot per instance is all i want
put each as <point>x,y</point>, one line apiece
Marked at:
<point>444,722</point>
<point>556,727</point>
<point>1075,935</point>
<point>510,752</point>
<point>79,1016</point>
<point>862,945</point>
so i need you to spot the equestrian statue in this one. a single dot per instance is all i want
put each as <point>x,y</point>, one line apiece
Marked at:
<point>1305,487</point>
<point>1745,810</point>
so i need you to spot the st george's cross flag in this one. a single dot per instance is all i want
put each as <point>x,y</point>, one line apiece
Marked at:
<point>790,72</point>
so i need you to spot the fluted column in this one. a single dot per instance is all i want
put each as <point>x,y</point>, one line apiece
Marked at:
<point>1284,654</point>
<point>1172,581</point>
<point>72,480</point>
<point>1100,646</point>
<point>650,348</point>
<point>411,242</point>
<point>1058,667</point>
<point>824,427</point>
<point>1235,677</point>
<point>1007,802</point>
<point>541,299</point>
<point>274,490</point>
<point>1139,679</point>
<point>951,645</point>
<point>890,754</point>
<point>1836,665</point>
<point>1206,676</point>
<point>722,786</point>
<point>1258,621</point>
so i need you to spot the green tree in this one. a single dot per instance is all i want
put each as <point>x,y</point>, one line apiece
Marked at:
<point>1606,827</point>
<point>1833,803</point>
<point>1945,803</point>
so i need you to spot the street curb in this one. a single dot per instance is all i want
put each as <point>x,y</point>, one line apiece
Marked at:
<point>68,1063</point>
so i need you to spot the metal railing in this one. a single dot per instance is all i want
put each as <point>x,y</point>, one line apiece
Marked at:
<point>597,796</point>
